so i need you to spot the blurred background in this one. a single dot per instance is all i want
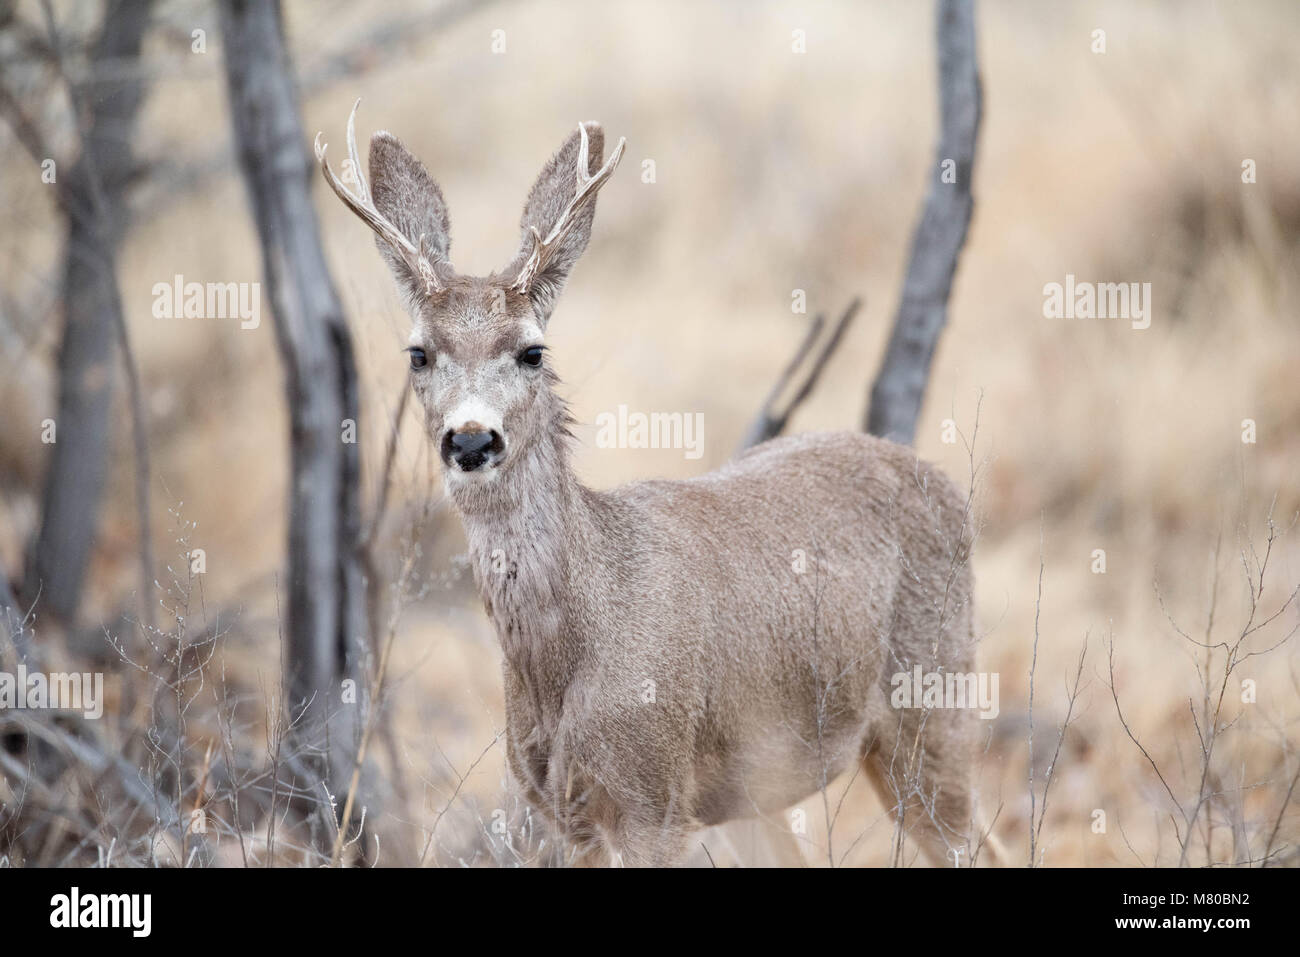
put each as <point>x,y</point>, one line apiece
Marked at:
<point>773,171</point>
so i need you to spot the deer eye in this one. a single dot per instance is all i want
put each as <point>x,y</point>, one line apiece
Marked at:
<point>418,359</point>
<point>532,356</point>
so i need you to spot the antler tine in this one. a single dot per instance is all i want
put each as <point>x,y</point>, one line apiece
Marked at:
<point>584,156</point>
<point>587,186</point>
<point>361,203</point>
<point>357,168</point>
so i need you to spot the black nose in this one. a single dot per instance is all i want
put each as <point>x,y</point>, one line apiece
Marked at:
<point>470,450</point>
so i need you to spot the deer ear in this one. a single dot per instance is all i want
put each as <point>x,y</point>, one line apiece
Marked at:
<point>406,195</point>
<point>547,201</point>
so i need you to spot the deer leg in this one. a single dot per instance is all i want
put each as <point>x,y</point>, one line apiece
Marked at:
<point>591,853</point>
<point>651,844</point>
<point>921,772</point>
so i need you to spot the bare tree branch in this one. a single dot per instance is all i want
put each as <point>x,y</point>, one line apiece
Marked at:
<point>769,422</point>
<point>899,389</point>
<point>325,617</point>
<point>93,196</point>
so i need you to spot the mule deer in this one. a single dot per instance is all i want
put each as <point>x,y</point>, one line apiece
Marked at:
<point>675,653</point>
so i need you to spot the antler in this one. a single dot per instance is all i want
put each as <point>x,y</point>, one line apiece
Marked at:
<point>361,203</point>
<point>544,249</point>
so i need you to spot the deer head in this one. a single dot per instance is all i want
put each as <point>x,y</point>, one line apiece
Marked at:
<point>476,345</point>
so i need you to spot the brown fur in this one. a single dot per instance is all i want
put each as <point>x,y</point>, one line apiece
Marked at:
<point>768,678</point>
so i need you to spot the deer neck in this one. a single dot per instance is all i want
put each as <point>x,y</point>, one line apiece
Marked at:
<point>526,529</point>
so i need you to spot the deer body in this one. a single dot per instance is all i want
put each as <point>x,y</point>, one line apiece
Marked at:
<point>676,653</point>
<point>691,585</point>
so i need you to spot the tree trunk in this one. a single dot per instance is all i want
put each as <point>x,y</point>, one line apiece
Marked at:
<point>325,611</point>
<point>899,388</point>
<point>93,193</point>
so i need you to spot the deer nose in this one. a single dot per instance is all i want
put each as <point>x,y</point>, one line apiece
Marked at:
<point>471,448</point>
